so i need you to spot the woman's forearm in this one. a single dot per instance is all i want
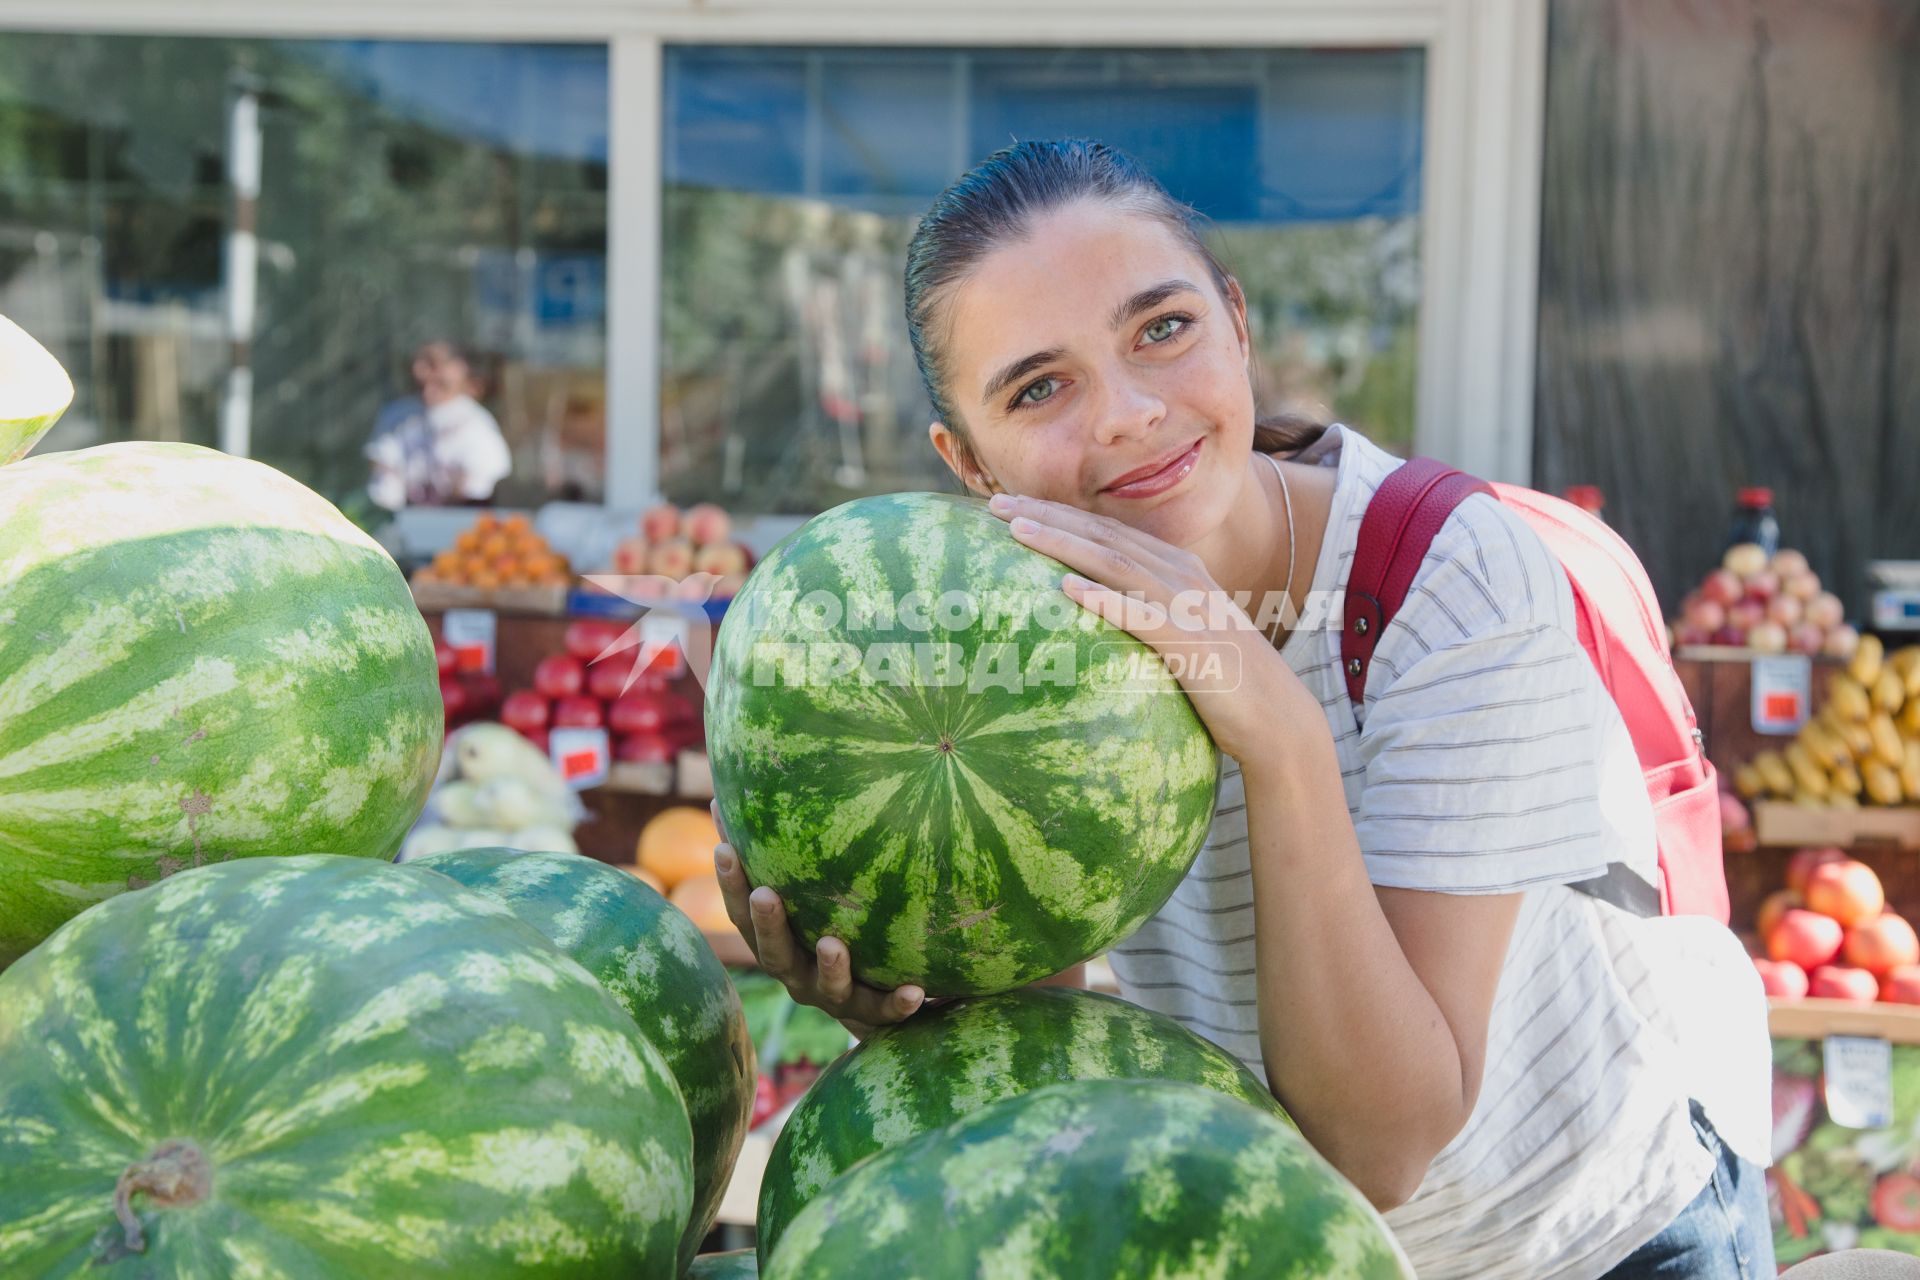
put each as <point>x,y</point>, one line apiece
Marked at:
<point>1354,1045</point>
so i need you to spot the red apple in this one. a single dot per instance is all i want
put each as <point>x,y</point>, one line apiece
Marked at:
<point>560,676</point>
<point>526,711</point>
<point>1806,638</point>
<point>1746,614</point>
<point>1882,944</point>
<point>1772,908</point>
<point>1779,978</point>
<point>1788,563</point>
<point>645,712</point>
<point>606,681</point>
<point>1841,642</point>
<point>660,523</point>
<point>444,657</point>
<point>729,587</point>
<point>671,559</point>
<point>577,713</point>
<point>708,524</point>
<point>1843,982</point>
<point>588,638</point>
<point>1684,635</point>
<point>454,699</point>
<point>538,737</point>
<point>1707,615</point>
<point>1902,985</point>
<point>1735,636</point>
<point>630,556</point>
<point>1762,586</point>
<point>1804,862</point>
<point>1745,559</point>
<point>645,748</point>
<point>1848,891</point>
<point>1804,587</point>
<point>1785,610</point>
<point>1825,611</point>
<point>1806,938</point>
<point>1721,587</point>
<point>1767,637</point>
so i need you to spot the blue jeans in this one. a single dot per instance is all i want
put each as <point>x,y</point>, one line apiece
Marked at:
<point>1723,1235</point>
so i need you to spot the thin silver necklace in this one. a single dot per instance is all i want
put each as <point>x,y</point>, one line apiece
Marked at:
<point>1286,594</point>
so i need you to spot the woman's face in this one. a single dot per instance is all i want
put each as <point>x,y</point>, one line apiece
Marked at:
<point>1094,363</point>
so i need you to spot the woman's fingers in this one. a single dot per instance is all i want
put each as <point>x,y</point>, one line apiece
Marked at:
<point>734,890</point>
<point>779,951</point>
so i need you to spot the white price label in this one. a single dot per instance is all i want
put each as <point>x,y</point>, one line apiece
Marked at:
<point>664,640</point>
<point>1782,692</point>
<point>582,756</point>
<point>1859,1074</point>
<point>470,634</point>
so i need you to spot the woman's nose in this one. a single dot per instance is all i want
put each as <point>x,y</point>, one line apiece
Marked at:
<point>1131,411</point>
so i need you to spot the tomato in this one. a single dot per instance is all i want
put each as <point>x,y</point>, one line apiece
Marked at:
<point>1896,1202</point>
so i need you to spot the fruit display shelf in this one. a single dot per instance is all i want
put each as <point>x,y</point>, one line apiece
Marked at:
<point>545,601</point>
<point>1811,1018</point>
<point>1781,823</point>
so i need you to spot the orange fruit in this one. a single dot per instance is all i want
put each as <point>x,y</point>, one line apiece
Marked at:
<point>485,580</point>
<point>517,524</point>
<point>678,844</point>
<point>1848,891</point>
<point>487,522</point>
<point>468,540</point>
<point>701,899</point>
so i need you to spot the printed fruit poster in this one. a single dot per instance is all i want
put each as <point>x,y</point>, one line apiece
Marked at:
<point>1833,1188</point>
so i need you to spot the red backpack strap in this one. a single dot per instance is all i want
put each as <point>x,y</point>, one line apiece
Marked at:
<point>1406,513</point>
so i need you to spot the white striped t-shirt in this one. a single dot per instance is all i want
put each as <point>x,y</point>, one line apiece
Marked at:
<point>1488,758</point>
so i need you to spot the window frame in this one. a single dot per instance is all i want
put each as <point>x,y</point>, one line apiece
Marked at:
<point>1480,181</point>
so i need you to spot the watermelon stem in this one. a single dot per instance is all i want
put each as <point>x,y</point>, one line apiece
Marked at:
<point>175,1175</point>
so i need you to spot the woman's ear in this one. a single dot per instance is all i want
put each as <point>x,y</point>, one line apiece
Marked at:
<point>959,459</point>
<point>1237,303</point>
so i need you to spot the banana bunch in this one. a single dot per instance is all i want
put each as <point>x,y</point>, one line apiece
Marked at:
<point>1863,747</point>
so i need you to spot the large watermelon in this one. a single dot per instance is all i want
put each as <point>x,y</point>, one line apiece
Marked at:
<point>34,391</point>
<point>200,659</point>
<point>951,1060</point>
<point>321,1067</point>
<point>661,970</point>
<point>933,754</point>
<point>1101,1179</point>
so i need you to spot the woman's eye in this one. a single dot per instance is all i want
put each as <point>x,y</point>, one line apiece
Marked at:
<point>1027,397</point>
<point>1165,327</point>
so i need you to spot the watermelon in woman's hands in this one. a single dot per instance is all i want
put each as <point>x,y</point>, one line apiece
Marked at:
<point>1030,792</point>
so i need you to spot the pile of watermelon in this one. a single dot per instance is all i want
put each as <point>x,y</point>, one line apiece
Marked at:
<point>970,834</point>
<point>235,1037</point>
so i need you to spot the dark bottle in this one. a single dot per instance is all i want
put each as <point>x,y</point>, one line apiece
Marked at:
<point>1753,520</point>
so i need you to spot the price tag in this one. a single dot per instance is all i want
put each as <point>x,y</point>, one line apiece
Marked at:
<point>1782,692</point>
<point>470,634</point>
<point>1859,1074</point>
<point>582,756</point>
<point>664,639</point>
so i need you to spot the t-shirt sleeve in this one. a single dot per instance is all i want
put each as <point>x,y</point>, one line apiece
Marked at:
<point>483,457</point>
<point>1492,757</point>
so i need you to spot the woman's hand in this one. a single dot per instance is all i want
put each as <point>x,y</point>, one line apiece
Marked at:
<point>1164,597</point>
<point>823,977</point>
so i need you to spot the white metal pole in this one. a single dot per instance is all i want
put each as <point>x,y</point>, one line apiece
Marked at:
<point>242,263</point>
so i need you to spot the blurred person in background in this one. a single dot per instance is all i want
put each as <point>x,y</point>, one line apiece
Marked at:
<point>439,447</point>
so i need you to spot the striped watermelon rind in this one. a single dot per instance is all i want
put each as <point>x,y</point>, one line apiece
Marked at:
<point>739,1264</point>
<point>383,1075</point>
<point>200,659</point>
<point>969,837</point>
<point>34,391</point>
<point>1098,1178</point>
<point>658,965</point>
<point>952,1060</point>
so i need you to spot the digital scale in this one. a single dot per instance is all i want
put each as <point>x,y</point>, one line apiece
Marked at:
<point>1896,595</point>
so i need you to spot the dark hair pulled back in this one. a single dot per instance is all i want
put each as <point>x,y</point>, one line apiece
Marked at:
<point>998,199</point>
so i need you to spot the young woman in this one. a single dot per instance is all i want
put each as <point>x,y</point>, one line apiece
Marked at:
<point>1384,918</point>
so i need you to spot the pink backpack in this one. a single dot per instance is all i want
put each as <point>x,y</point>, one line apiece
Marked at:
<point>1619,626</point>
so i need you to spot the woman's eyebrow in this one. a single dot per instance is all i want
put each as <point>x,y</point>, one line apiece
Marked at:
<point>1144,300</point>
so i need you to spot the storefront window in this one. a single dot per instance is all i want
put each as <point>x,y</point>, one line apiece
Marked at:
<point>408,191</point>
<point>794,178</point>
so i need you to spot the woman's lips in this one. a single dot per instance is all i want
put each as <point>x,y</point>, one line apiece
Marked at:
<point>1159,479</point>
